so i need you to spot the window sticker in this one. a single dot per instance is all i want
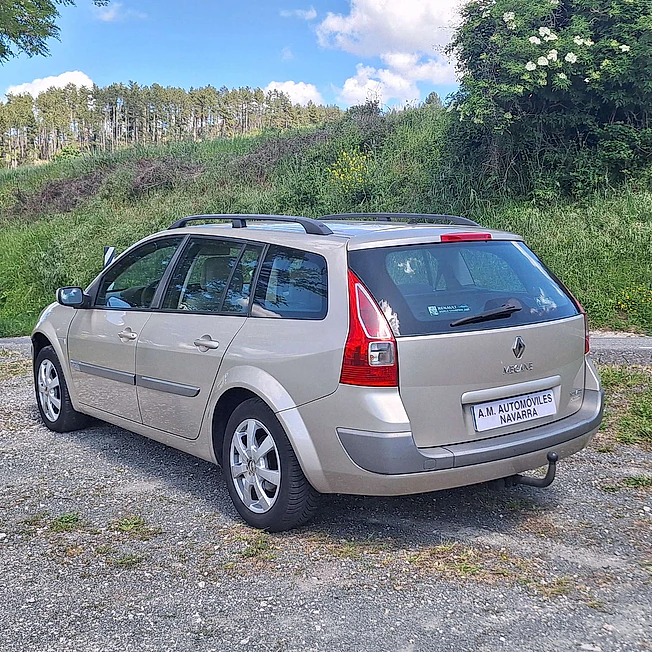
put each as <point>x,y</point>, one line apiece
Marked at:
<point>446,310</point>
<point>391,316</point>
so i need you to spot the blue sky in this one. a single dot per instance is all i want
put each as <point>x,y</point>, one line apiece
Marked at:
<point>336,51</point>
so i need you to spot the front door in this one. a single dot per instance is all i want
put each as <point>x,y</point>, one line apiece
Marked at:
<point>182,345</point>
<point>102,339</point>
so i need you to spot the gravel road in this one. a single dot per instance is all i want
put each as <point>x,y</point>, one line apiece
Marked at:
<point>109,541</point>
<point>613,348</point>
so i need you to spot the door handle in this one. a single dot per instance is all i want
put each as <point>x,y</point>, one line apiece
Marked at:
<point>206,342</point>
<point>127,334</point>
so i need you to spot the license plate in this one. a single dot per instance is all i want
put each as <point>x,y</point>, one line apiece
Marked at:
<point>510,411</point>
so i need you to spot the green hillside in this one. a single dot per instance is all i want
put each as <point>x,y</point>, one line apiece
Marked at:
<point>55,219</point>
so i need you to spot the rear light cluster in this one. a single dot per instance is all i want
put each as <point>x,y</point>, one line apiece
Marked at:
<point>370,356</point>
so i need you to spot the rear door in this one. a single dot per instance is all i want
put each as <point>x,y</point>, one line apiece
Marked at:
<point>465,381</point>
<point>102,339</point>
<point>181,347</point>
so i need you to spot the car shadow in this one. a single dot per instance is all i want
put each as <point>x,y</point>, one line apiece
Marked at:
<point>421,519</point>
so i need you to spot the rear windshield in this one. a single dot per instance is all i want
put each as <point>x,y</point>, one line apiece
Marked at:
<point>422,289</point>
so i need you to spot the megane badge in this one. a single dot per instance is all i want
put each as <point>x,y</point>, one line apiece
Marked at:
<point>518,348</point>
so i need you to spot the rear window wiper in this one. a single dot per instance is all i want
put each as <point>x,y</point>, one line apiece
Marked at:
<point>495,313</point>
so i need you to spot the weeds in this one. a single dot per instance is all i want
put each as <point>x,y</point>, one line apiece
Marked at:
<point>128,561</point>
<point>638,482</point>
<point>66,522</point>
<point>136,527</point>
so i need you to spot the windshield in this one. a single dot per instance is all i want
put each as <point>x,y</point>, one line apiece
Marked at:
<point>424,288</point>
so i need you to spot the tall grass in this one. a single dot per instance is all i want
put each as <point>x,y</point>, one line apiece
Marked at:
<point>601,247</point>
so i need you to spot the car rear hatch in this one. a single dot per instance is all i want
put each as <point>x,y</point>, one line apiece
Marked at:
<point>488,341</point>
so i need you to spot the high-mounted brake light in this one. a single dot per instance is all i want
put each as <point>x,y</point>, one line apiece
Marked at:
<point>465,237</point>
<point>370,351</point>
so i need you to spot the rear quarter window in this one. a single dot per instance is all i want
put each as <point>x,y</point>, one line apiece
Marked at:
<point>423,288</point>
<point>292,284</point>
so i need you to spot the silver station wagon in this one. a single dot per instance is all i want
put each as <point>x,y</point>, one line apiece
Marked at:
<point>355,354</point>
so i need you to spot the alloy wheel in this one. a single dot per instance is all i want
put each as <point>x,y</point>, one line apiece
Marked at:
<point>254,465</point>
<point>49,390</point>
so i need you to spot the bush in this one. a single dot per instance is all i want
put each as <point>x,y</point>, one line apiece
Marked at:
<point>555,95</point>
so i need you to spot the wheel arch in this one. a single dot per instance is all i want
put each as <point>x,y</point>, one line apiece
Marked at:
<point>39,342</point>
<point>242,382</point>
<point>224,408</point>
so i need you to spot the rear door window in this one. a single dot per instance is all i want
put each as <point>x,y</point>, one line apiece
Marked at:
<point>292,284</point>
<point>213,276</point>
<point>422,289</point>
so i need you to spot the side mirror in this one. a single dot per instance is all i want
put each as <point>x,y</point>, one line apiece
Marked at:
<point>73,297</point>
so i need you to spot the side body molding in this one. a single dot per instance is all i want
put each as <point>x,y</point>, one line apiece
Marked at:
<point>167,386</point>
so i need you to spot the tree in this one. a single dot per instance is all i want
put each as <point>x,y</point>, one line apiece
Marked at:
<point>26,25</point>
<point>556,92</point>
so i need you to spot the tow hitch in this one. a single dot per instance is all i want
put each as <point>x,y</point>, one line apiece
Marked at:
<point>547,479</point>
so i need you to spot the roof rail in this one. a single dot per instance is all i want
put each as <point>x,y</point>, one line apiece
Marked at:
<point>413,218</point>
<point>239,221</point>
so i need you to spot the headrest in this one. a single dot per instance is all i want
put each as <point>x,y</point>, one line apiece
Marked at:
<point>215,272</point>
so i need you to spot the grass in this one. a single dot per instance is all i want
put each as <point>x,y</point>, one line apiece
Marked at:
<point>66,522</point>
<point>136,527</point>
<point>128,561</point>
<point>638,482</point>
<point>14,368</point>
<point>600,246</point>
<point>628,415</point>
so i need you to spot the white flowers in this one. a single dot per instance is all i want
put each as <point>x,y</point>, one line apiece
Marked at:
<point>542,61</point>
<point>552,55</point>
<point>625,48</point>
<point>508,19</point>
<point>507,115</point>
<point>578,40</point>
<point>535,40</point>
<point>547,35</point>
<point>562,75</point>
<point>554,3</point>
<point>571,57</point>
<point>530,65</point>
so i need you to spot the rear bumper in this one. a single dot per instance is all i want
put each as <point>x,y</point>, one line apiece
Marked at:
<point>389,463</point>
<point>396,453</point>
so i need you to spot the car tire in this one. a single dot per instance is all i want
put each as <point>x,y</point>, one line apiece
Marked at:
<point>52,396</point>
<point>263,475</point>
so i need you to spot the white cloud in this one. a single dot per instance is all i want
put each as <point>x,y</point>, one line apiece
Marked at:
<point>304,14</point>
<point>287,54</point>
<point>298,92</point>
<point>37,86</point>
<point>407,35</point>
<point>375,27</point>
<point>116,12</point>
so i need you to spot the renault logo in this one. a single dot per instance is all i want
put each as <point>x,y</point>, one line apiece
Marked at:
<point>518,348</point>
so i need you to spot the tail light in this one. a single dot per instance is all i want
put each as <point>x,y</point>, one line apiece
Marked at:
<point>370,357</point>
